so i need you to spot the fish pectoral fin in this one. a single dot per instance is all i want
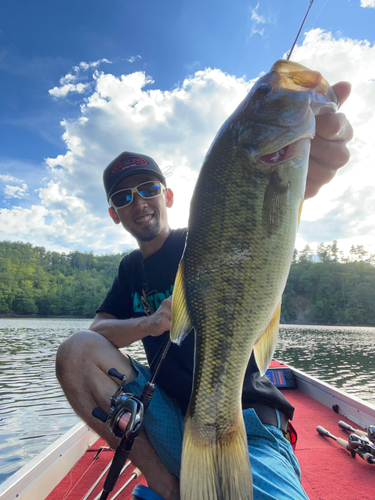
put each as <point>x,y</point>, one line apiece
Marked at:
<point>265,346</point>
<point>180,322</point>
<point>300,212</point>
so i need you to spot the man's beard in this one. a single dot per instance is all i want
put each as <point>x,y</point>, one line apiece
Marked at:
<point>147,233</point>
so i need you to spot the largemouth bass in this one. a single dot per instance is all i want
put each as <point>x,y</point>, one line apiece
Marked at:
<point>243,222</point>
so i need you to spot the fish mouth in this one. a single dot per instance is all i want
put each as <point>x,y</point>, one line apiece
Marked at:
<point>282,154</point>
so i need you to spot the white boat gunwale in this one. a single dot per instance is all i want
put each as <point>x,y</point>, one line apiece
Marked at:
<point>44,472</point>
<point>353,408</point>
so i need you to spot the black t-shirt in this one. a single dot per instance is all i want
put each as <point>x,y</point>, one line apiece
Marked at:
<point>142,285</point>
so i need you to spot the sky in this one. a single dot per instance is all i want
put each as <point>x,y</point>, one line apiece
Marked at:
<point>81,81</point>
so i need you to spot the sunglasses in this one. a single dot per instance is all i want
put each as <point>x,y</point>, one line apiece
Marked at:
<point>147,190</point>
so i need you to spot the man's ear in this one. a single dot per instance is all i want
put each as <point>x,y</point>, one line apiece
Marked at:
<point>113,215</point>
<point>169,197</point>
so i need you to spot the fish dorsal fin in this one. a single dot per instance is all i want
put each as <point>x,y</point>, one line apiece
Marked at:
<point>180,322</point>
<point>265,346</point>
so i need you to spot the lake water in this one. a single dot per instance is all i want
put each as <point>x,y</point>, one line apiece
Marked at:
<point>34,411</point>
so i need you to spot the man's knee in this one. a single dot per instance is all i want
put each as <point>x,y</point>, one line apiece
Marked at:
<point>72,352</point>
<point>86,350</point>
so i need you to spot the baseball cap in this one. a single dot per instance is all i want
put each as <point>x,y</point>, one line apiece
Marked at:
<point>127,164</point>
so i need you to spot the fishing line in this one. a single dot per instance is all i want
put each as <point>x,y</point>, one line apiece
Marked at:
<point>157,358</point>
<point>313,24</point>
<point>161,359</point>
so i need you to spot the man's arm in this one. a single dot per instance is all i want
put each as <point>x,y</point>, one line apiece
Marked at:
<point>328,148</point>
<point>122,333</point>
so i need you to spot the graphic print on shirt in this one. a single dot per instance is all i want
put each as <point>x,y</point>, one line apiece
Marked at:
<point>150,303</point>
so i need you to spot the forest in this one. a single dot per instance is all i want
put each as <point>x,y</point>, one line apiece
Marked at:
<point>34,281</point>
<point>324,286</point>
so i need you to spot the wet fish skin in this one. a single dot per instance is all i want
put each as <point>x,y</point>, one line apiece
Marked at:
<point>243,222</point>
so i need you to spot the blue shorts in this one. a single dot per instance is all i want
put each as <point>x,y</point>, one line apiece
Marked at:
<point>275,469</point>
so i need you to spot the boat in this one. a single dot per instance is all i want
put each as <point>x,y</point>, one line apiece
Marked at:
<point>75,466</point>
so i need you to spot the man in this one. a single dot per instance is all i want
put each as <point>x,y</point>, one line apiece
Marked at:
<point>138,307</point>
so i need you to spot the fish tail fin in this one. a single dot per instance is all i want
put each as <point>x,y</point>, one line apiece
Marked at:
<point>216,469</point>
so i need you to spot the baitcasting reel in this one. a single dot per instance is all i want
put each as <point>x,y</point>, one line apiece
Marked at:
<point>125,415</point>
<point>361,443</point>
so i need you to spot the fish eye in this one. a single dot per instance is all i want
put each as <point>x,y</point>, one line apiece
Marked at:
<point>264,89</point>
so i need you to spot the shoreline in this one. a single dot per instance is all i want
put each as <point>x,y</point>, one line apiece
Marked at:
<point>36,316</point>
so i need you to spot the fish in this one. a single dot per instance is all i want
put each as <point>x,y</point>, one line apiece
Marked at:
<point>243,221</point>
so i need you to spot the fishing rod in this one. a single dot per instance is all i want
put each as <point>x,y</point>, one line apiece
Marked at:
<point>125,419</point>
<point>356,445</point>
<point>299,32</point>
<point>100,478</point>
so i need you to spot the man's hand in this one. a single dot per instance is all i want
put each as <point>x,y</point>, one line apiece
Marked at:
<point>160,321</point>
<point>328,148</point>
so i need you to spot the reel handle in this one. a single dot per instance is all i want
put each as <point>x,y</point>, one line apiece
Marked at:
<point>100,414</point>
<point>115,373</point>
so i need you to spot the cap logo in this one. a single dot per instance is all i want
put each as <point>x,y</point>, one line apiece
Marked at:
<point>128,162</point>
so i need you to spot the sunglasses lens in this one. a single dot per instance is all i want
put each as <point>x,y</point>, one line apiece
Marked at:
<point>122,198</point>
<point>149,189</point>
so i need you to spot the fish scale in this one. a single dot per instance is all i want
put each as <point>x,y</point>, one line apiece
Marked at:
<point>243,222</point>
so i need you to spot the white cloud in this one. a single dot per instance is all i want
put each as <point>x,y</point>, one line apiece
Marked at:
<point>55,196</point>
<point>257,21</point>
<point>65,89</point>
<point>176,127</point>
<point>15,191</point>
<point>133,58</point>
<point>61,221</point>
<point>338,211</point>
<point>69,78</point>
<point>368,3</point>
<point>67,84</point>
<point>10,178</point>
<point>194,66</point>
<point>257,18</point>
<point>85,66</point>
<point>23,221</point>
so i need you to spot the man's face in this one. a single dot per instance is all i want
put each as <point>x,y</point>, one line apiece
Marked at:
<point>145,219</point>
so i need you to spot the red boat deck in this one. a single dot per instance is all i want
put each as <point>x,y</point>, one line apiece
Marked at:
<point>86,471</point>
<point>328,471</point>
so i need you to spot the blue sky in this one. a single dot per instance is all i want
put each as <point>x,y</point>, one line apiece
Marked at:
<point>82,81</point>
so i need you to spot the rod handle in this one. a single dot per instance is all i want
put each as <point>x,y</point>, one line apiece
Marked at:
<point>343,443</point>
<point>324,432</point>
<point>348,427</point>
<point>345,426</point>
